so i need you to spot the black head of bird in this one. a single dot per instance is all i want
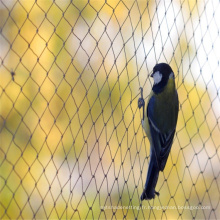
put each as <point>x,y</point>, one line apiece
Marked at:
<point>162,72</point>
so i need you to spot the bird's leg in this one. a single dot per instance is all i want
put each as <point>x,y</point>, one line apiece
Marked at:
<point>141,102</point>
<point>157,193</point>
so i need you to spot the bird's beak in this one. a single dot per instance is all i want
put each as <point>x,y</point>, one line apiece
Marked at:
<point>152,75</point>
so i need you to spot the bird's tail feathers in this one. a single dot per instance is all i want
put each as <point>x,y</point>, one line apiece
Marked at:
<point>152,178</point>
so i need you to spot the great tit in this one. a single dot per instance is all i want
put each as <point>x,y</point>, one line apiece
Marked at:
<point>159,123</point>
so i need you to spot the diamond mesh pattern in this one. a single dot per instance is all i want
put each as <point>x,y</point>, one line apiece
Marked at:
<point>72,145</point>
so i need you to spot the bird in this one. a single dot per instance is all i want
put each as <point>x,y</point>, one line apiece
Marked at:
<point>159,123</point>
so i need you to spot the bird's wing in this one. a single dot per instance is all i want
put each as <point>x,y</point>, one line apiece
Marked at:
<point>162,142</point>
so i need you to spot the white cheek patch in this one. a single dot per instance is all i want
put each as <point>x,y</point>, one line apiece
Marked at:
<point>157,77</point>
<point>171,75</point>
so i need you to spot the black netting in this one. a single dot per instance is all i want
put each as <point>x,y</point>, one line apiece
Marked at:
<point>72,144</point>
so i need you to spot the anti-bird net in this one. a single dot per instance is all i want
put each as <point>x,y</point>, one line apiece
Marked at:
<point>71,141</point>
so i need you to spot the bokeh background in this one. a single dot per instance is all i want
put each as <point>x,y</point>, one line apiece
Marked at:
<point>71,139</point>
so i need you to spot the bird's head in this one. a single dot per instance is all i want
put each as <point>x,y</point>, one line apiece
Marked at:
<point>162,72</point>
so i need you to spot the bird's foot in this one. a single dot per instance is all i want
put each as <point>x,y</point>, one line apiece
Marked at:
<point>157,193</point>
<point>144,195</point>
<point>141,102</point>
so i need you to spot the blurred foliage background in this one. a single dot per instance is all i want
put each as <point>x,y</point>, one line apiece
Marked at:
<point>71,139</point>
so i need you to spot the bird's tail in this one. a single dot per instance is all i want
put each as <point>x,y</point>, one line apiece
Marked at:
<point>152,178</point>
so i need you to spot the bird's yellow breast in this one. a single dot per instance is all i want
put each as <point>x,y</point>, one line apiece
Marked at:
<point>164,109</point>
